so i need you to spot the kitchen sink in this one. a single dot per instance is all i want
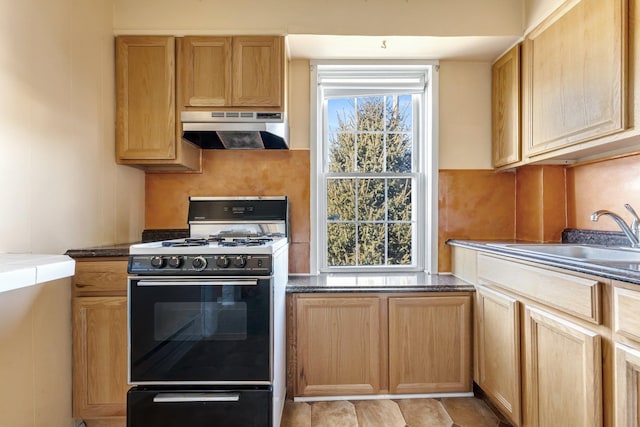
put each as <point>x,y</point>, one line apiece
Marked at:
<point>582,252</point>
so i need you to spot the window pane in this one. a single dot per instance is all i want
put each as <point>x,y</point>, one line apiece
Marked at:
<point>371,113</point>
<point>341,194</point>
<point>342,148</point>
<point>371,244</point>
<point>341,114</point>
<point>399,113</point>
<point>400,196</point>
<point>371,200</point>
<point>399,152</point>
<point>370,152</point>
<point>341,244</point>
<point>399,252</point>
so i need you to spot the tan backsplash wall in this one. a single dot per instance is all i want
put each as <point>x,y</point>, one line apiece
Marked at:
<point>533,204</point>
<point>238,173</point>
<point>602,185</point>
<point>474,205</point>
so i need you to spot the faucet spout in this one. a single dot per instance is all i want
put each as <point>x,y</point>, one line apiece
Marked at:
<point>633,238</point>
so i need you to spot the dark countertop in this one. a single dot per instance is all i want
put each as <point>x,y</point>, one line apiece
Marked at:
<point>117,250</point>
<point>377,282</point>
<point>617,270</point>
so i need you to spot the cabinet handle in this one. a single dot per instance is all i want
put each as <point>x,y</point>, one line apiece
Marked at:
<point>196,397</point>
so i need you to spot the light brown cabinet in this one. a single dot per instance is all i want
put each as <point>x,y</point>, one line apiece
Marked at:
<point>238,71</point>
<point>497,342</point>
<point>565,328</point>
<point>505,108</point>
<point>339,345</point>
<point>574,76</point>
<point>429,344</point>
<point>147,133</point>
<point>100,342</point>
<point>627,355</point>
<point>563,372</point>
<point>366,344</point>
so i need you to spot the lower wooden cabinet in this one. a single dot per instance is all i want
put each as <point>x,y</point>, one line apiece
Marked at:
<point>627,386</point>
<point>497,341</point>
<point>429,344</point>
<point>339,345</point>
<point>563,372</point>
<point>100,342</point>
<point>365,344</point>
<point>543,344</point>
<point>626,326</point>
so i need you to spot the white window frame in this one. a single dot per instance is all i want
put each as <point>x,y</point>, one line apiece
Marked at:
<point>425,151</point>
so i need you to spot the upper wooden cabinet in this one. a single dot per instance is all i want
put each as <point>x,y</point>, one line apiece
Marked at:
<point>147,134</point>
<point>574,76</point>
<point>505,108</point>
<point>240,71</point>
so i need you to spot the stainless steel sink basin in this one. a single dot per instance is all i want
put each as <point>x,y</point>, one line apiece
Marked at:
<point>582,252</point>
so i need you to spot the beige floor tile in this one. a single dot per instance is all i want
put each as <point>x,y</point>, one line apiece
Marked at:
<point>296,414</point>
<point>333,414</point>
<point>469,412</point>
<point>378,413</point>
<point>424,413</point>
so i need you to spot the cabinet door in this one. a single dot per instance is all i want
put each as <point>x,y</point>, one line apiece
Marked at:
<point>498,350</point>
<point>563,372</point>
<point>574,73</point>
<point>429,344</point>
<point>627,386</point>
<point>505,113</point>
<point>99,357</point>
<point>145,104</point>
<point>338,345</point>
<point>205,71</point>
<point>258,71</point>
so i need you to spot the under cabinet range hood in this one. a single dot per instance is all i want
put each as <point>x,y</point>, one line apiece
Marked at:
<point>235,130</point>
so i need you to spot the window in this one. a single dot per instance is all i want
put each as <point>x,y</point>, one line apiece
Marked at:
<point>371,157</point>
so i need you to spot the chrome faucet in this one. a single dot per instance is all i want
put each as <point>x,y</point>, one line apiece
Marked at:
<point>632,233</point>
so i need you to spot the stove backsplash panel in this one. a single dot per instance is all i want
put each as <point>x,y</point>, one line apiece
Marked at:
<point>236,173</point>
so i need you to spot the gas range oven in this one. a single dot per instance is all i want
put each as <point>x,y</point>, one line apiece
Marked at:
<point>207,318</point>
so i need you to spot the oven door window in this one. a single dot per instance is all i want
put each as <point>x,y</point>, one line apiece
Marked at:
<point>199,331</point>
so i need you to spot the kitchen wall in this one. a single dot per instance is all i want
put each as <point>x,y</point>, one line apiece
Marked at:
<point>61,186</point>
<point>362,17</point>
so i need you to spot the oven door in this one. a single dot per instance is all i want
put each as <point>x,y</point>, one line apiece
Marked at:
<point>207,330</point>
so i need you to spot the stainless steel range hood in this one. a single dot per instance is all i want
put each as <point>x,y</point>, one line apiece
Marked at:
<point>236,130</point>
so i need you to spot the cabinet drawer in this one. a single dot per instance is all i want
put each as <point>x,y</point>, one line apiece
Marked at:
<point>626,313</point>
<point>578,296</point>
<point>106,275</point>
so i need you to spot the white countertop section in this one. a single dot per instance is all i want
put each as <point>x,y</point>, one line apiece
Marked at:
<point>21,270</point>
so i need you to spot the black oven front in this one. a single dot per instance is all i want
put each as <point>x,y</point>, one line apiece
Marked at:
<point>200,330</point>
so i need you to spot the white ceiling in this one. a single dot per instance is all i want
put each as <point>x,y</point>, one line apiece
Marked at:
<point>486,48</point>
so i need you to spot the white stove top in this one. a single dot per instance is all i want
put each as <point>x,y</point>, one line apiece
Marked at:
<point>173,247</point>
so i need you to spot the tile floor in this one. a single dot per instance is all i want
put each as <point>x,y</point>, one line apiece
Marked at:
<point>445,412</point>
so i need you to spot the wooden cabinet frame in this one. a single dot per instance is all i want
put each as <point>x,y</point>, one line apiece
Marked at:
<point>574,67</point>
<point>374,337</point>
<point>505,109</point>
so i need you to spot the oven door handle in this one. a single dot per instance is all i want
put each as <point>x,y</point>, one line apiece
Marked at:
<point>198,283</point>
<point>195,397</point>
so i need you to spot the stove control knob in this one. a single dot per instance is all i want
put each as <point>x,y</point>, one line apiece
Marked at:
<point>222,262</point>
<point>199,263</point>
<point>157,262</point>
<point>175,262</point>
<point>240,262</point>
